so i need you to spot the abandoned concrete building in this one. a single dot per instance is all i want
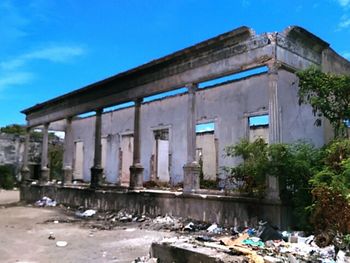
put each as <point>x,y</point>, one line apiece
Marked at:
<point>236,85</point>
<point>11,154</point>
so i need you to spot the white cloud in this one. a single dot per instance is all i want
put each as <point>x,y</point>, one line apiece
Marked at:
<point>344,3</point>
<point>57,54</point>
<point>17,78</point>
<point>344,22</point>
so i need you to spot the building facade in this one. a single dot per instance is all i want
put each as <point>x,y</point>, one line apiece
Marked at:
<point>236,85</point>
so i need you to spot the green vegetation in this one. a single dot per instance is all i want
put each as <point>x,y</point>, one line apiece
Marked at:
<point>329,96</point>
<point>7,177</point>
<point>13,129</point>
<point>292,164</point>
<point>56,160</point>
<point>315,182</point>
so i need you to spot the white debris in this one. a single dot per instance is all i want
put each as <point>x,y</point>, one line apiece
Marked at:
<point>61,243</point>
<point>45,201</point>
<point>212,228</point>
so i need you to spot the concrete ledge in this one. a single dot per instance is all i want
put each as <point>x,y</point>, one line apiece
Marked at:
<point>224,210</point>
<point>188,253</point>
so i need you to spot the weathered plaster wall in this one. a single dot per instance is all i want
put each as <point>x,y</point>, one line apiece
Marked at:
<point>226,210</point>
<point>332,62</point>
<point>297,122</point>
<point>206,142</point>
<point>227,105</point>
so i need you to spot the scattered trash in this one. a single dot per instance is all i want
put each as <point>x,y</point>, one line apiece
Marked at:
<point>189,227</point>
<point>61,243</point>
<point>130,229</point>
<point>266,244</point>
<point>51,236</point>
<point>45,201</point>
<point>214,229</point>
<point>267,232</point>
<point>86,213</point>
<point>145,260</point>
<point>342,257</point>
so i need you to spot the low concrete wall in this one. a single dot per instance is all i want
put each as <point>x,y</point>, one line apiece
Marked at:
<point>225,210</point>
<point>189,253</point>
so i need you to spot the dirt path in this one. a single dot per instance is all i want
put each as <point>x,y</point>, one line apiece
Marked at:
<point>24,232</point>
<point>8,196</point>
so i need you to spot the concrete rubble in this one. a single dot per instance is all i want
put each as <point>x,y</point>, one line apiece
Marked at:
<point>197,241</point>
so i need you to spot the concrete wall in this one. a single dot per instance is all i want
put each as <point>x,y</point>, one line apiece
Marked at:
<point>332,62</point>
<point>226,210</point>
<point>297,122</point>
<point>227,105</point>
<point>207,145</point>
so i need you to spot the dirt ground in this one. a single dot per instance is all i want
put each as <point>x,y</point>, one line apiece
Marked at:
<point>24,232</point>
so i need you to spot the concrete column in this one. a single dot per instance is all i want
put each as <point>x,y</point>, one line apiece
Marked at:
<point>45,171</point>
<point>191,168</point>
<point>274,113</point>
<point>273,191</point>
<point>25,172</point>
<point>68,153</point>
<point>136,170</point>
<point>97,170</point>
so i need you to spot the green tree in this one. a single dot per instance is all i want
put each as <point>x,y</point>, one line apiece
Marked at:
<point>329,96</point>
<point>13,129</point>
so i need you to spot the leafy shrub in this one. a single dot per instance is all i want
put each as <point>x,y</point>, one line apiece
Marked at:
<point>331,189</point>
<point>56,160</point>
<point>330,211</point>
<point>7,178</point>
<point>250,175</point>
<point>293,164</point>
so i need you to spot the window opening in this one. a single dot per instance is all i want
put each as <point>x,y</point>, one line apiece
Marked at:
<point>165,94</point>
<point>261,120</point>
<point>234,76</point>
<point>119,106</point>
<point>205,127</point>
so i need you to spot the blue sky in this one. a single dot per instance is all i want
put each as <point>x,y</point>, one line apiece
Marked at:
<point>48,48</point>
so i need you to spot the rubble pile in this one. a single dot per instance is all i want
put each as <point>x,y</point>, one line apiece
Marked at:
<point>264,244</point>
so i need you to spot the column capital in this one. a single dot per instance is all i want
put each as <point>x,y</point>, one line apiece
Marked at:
<point>138,101</point>
<point>192,87</point>
<point>99,111</point>
<point>46,125</point>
